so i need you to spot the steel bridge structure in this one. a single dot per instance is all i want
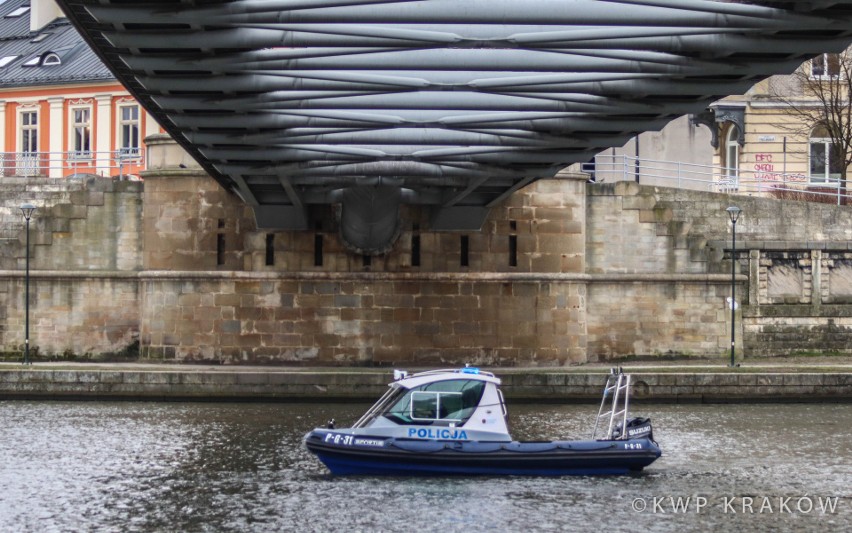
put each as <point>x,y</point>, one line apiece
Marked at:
<point>448,104</point>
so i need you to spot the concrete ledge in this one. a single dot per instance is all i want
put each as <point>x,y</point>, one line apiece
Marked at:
<point>453,277</point>
<point>368,385</point>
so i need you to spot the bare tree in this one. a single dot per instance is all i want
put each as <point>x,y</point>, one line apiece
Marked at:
<point>819,98</point>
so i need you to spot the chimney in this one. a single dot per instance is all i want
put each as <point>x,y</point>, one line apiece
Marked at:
<point>43,12</point>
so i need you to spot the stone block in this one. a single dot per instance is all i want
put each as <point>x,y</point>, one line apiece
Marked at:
<point>685,379</point>
<point>572,264</point>
<point>770,379</point>
<point>643,202</point>
<point>803,380</point>
<point>647,216</point>
<point>160,378</point>
<point>546,263</point>
<point>69,211</point>
<point>746,380</point>
<point>60,376</point>
<point>553,213</point>
<point>252,378</point>
<point>667,380</point>
<point>626,188</point>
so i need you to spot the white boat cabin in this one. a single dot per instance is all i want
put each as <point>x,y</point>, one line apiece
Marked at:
<point>456,405</point>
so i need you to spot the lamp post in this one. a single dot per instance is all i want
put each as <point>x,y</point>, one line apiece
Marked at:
<point>27,209</point>
<point>734,214</point>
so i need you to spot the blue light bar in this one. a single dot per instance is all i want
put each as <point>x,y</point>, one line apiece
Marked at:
<point>470,370</point>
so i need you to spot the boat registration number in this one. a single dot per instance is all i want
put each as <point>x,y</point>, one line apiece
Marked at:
<point>633,446</point>
<point>351,440</point>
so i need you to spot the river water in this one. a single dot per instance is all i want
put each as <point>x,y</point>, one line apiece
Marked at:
<point>104,466</point>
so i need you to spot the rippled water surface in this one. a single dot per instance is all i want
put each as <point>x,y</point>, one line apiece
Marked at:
<point>241,467</point>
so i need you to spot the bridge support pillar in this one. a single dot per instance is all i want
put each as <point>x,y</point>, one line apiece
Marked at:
<point>507,289</point>
<point>189,221</point>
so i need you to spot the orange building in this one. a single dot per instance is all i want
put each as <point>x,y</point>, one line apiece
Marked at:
<point>63,112</point>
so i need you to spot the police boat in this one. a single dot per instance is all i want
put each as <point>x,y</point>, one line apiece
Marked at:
<point>446,422</point>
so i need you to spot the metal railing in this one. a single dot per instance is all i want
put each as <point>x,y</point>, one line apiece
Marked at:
<point>120,163</point>
<point>791,186</point>
<point>616,398</point>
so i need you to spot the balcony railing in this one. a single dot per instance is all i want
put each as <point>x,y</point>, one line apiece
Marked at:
<point>126,163</point>
<point>610,168</point>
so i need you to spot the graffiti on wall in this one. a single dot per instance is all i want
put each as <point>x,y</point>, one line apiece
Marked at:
<point>764,170</point>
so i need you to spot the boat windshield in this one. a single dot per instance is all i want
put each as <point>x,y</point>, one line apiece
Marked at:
<point>438,403</point>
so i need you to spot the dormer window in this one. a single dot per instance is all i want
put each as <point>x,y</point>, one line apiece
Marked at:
<point>47,59</point>
<point>6,60</point>
<point>50,60</point>
<point>40,37</point>
<point>18,12</point>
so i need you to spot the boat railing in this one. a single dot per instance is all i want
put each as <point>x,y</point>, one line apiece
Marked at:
<point>502,403</point>
<point>378,407</point>
<point>614,404</point>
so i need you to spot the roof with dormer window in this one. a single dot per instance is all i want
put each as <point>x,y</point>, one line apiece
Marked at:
<point>53,55</point>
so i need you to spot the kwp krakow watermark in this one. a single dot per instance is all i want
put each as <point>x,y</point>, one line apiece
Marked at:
<point>732,505</point>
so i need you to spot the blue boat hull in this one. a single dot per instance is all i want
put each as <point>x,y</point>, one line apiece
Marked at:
<point>345,454</point>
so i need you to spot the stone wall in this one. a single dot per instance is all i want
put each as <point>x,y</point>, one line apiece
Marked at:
<point>206,383</point>
<point>87,223</point>
<point>85,248</point>
<point>793,271</point>
<point>212,291</point>
<point>187,212</point>
<point>658,316</point>
<point>800,303</point>
<point>363,319</point>
<point>633,229</point>
<point>599,271</point>
<point>72,315</point>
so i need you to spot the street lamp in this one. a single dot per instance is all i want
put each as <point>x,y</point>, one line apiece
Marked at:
<point>734,214</point>
<point>27,209</point>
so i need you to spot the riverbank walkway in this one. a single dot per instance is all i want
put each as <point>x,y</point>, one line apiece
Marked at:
<point>782,379</point>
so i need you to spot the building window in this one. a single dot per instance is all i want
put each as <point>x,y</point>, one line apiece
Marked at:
<point>822,169</point>
<point>825,66</point>
<point>29,132</point>
<point>81,132</point>
<point>6,60</point>
<point>128,131</point>
<point>513,250</point>
<point>28,163</point>
<point>732,153</point>
<point>18,12</point>
<point>50,60</point>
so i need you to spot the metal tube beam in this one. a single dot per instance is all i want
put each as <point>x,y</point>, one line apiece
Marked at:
<point>488,95</point>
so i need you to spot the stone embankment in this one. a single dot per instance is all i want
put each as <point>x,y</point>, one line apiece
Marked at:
<point>551,385</point>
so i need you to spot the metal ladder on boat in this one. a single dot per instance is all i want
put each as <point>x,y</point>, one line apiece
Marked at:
<point>617,390</point>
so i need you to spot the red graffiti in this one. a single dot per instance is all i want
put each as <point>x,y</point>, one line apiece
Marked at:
<point>780,177</point>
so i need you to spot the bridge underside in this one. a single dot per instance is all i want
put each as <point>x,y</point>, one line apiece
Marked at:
<point>450,104</point>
